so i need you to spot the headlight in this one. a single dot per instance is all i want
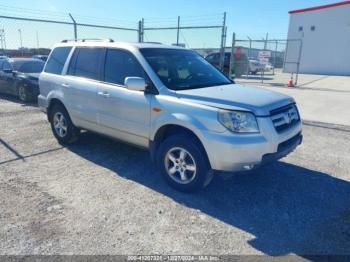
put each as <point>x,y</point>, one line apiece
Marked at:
<point>238,122</point>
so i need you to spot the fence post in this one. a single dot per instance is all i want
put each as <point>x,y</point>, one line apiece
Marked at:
<point>249,55</point>
<point>75,28</point>
<point>263,70</point>
<point>232,58</point>
<point>142,30</point>
<point>178,30</point>
<point>139,31</point>
<point>223,43</point>
<point>274,58</point>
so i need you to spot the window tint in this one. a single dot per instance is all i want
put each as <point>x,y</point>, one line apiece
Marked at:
<point>57,60</point>
<point>183,69</point>
<point>29,66</point>
<point>119,65</point>
<point>86,62</point>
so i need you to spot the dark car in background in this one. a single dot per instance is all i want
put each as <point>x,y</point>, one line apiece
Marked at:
<point>41,57</point>
<point>19,77</point>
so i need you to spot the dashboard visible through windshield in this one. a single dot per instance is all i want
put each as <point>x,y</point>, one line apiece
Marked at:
<point>183,69</point>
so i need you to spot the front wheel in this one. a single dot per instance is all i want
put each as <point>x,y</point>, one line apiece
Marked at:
<point>23,93</point>
<point>183,164</point>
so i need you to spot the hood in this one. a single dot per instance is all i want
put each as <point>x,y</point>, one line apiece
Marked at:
<point>237,97</point>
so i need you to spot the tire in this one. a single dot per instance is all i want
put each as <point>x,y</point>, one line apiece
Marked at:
<point>62,126</point>
<point>170,165</point>
<point>23,93</point>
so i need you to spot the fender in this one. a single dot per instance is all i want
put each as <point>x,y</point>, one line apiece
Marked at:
<point>179,119</point>
<point>59,95</point>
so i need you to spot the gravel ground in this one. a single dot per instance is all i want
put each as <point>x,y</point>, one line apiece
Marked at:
<point>104,197</point>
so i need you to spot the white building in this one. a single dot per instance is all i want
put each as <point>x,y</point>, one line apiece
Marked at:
<point>324,45</point>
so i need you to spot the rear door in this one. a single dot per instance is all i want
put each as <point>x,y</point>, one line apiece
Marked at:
<point>81,85</point>
<point>123,113</point>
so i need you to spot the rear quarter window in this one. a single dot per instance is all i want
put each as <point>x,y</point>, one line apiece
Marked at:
<point>57,60</point>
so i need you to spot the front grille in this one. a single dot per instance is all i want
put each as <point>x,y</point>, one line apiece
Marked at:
<point>285,117</point>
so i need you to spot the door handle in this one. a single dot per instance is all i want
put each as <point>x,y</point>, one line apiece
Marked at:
<point>65,85</point>
<point>104,94</point>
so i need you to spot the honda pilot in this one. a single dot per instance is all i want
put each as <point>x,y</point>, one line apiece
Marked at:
<point>191,117</point>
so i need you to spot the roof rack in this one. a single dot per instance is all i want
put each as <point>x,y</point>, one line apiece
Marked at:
<point>87,40</point>
<point>157,43</point>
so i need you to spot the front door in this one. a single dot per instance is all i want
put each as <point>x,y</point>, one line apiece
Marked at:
<point>123,113</point>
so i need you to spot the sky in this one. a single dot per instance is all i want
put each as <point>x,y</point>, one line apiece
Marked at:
<point>253,18</point>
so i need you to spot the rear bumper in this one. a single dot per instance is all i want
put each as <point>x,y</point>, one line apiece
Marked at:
<point>42,103</point>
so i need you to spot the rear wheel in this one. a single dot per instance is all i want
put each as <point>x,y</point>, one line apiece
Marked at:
<point>183,164</point>
<point>62,126</point>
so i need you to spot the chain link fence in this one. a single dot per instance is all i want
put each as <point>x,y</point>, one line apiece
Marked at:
<point>27,32</point>
<point>21,36</point>
<point>266,61</point>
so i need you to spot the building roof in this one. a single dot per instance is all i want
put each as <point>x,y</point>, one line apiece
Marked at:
<point>315,8</point>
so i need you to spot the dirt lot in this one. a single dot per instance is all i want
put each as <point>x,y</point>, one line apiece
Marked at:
<point>103,197</point>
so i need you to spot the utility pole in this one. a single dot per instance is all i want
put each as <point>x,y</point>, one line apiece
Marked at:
<point>20,40</point>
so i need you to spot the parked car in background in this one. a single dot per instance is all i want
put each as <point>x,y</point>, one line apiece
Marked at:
<point>253,65</point>
<point>171,101</point>
<point>41,57</point>
<point>19,76</point>
<point>268,67</point>
<point>214,59</point>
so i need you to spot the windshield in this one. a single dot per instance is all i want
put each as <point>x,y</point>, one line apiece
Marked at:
<point>183,69</point>
<point>28,66</point>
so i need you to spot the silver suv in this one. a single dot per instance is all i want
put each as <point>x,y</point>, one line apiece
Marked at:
<point>170,100</point>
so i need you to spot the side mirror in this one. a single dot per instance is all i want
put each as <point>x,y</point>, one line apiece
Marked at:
<point>135,83</point>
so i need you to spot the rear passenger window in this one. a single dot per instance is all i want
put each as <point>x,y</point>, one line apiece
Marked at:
<point>119,65</point>
<point>57,60</point>
<point>86,62</point>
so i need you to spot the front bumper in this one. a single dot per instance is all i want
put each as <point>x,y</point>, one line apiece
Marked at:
<point>230,152</point>
<point>283,150</point>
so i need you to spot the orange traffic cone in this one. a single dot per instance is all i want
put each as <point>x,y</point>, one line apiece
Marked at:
<point>290,83</point>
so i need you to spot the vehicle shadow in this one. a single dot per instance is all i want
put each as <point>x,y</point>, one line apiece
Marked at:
<point>14,99</point>
<point>288,208</point>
